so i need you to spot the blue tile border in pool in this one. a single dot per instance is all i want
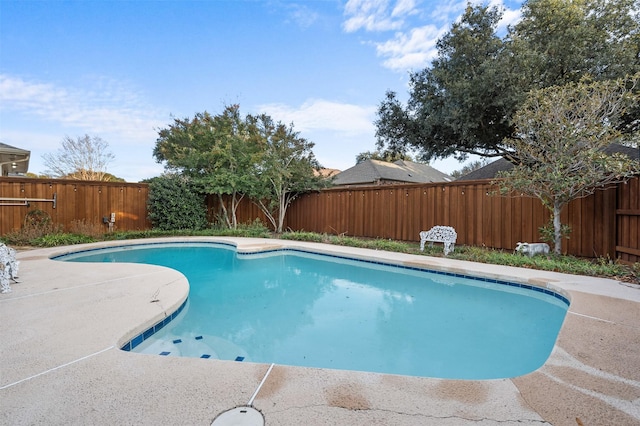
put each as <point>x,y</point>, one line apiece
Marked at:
<point>153,329</point>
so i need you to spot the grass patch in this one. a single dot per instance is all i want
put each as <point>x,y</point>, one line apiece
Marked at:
<point>565,264</point>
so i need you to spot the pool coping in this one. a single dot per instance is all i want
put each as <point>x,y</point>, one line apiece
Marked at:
<point>593,373</point>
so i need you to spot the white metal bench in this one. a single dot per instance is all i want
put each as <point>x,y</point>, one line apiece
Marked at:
<point>439,234</point>
<point>8,268</point>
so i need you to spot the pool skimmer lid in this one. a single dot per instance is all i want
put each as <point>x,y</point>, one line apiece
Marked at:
<point>239,416</point>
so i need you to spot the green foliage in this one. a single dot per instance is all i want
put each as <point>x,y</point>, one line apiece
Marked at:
<point>218,153</point>
<point>383,156</point>
<point>312,237</point>
<point>16,238</point>
<point>60,239</point>
<point>285,169</point>
<point>174,203</point>
<point>548,233</point>
<point>342,240</point>
<point>149,233</point>
<point>230,155</point>
<point>464,102</point>
<point>555,263</point>
<point>559,42</point>
<point>562,133</point>
<point>255,229</point>
<point>635,270</point>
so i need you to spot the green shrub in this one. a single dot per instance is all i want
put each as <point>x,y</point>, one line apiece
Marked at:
<point>174,203</point>
<point>255,229</point>
<point>548,233</point>
<point>58,239</point>
<point>313,237</point>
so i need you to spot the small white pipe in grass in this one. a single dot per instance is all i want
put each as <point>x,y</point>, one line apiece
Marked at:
<point>250,403</point>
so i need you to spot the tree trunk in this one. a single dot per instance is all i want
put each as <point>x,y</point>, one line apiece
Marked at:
<point>281,212</point>
<point>224,211</point>
<point>235,203</point>
<point>557,227</point>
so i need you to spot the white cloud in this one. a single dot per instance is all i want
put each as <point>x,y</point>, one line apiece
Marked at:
<point>302,15</point>
<point>413,50</point>
<point>104,107</point>
<point>36,116</point>
<point>509,17</point>
<point>320,114</point>
<point>377,15</point>
<point>446,12</point>
<point>414,43</point>
<point>404,7</point>
<point>339,131</point>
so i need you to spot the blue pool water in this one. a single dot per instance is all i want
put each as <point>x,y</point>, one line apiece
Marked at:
<point>297,308</point>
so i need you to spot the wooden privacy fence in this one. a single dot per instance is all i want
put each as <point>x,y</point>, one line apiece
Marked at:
<point>479,217</point>
<point>604,224</point>
<point>75,200</point>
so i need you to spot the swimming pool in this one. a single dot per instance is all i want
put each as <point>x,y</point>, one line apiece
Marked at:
<point>298,308</point>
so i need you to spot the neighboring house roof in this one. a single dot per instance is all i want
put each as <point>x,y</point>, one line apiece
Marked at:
<point>372,172</point>
<point>491,170</point>
<point>13,160</point>
<point>326,173</point>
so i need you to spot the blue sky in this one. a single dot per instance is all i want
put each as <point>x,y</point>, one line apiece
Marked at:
<point>121,70</point>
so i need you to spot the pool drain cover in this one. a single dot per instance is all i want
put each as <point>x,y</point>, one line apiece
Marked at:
<point>239,416</point>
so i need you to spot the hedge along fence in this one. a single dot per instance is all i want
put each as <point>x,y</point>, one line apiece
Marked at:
<point>75,200</point>
<point>604,224</point>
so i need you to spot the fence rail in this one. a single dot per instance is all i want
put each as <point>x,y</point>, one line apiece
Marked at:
<point>604,224</point>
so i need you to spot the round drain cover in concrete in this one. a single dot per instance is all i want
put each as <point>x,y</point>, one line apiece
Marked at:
<point>239,416</point>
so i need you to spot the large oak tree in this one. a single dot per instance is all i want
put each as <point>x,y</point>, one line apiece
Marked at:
<point>464,102</point>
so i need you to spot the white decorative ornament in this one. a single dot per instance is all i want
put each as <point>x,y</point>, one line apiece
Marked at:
<point>8,268</point>
<point>439,234</point>
<point>531,249</point>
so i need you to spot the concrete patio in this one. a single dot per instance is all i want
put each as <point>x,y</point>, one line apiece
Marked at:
<point>63,324</point>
